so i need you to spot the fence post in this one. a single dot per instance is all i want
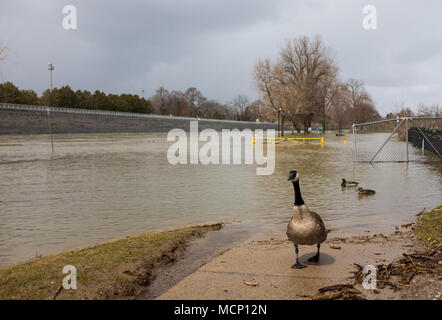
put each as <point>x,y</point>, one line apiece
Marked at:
<point>50,130</point>
<point>406,138</point>
<point>356,147</point>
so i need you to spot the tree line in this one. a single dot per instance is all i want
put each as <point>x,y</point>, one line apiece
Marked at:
<point>194,104</point>
<point>423,110</point>
<point>84,99</point>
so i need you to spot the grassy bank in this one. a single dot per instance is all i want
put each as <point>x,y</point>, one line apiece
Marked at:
<point>114,270</point>
<point>429,226</point>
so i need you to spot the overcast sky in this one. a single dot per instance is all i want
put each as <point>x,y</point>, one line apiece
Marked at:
<point>128,46</point>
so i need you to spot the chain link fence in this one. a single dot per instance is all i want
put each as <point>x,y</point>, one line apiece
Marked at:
<point>407,139</point>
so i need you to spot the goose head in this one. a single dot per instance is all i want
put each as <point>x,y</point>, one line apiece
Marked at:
<point>293,176</point>
<point>343,181</point>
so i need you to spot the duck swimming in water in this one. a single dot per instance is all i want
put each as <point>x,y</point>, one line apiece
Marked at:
<point>365,192</point>
<point>345,183</point>
<point>305,227</point>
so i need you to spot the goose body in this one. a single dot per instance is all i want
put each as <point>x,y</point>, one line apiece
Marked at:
<point>345,183</point>
<point>306,227</point>
<point>365,192</point>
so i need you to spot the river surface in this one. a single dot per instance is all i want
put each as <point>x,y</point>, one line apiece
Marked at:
<point>97,187</point>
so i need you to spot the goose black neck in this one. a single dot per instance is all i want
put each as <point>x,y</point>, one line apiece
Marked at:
<point>298,197</point>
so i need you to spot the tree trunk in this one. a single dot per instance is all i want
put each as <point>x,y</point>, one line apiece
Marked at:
<point>282,125</point>
<point>307,124</point>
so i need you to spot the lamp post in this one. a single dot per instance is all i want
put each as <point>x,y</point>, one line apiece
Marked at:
<point>142,93</point>
<point>51,68</point>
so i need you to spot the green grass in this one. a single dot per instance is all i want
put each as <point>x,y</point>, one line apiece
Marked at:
<point>429,227</point>
<point>98,267</point>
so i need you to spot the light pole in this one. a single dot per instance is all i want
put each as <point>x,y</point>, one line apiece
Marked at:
<point>51,68</point>
<point>142,93</point>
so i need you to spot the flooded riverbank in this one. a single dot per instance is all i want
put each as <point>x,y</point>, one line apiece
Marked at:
<point>99,187</point>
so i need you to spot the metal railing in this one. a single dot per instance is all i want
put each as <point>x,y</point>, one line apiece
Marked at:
<point>23,107</point>
<point>389,141</point>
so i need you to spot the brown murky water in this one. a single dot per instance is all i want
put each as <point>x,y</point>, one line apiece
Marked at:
<point>97,187</point>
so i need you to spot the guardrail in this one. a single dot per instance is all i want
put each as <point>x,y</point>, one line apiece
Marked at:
<point>24,107</point>
<point>295,140</point>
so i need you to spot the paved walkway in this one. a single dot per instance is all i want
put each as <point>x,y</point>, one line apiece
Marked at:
<point>260,268</point>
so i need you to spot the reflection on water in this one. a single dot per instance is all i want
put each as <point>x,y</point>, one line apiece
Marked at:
<point>103,186</point>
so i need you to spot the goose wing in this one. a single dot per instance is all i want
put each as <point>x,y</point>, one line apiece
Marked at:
<point>320,227</point>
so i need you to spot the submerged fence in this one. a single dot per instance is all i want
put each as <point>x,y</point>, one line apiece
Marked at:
<point>406,139</point>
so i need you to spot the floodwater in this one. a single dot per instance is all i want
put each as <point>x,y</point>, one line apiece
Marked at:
<point>97,187</point>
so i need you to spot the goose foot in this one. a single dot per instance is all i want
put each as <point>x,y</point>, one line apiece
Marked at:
<point>298,266</point>
<point>315,258</point>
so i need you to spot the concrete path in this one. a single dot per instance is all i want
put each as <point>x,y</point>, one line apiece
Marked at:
<point>260,268</point>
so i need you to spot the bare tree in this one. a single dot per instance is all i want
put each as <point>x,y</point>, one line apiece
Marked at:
<point>178,105</point>
<point>358,94</point>
<point>364,112</point>
<point>240,105</point>
<point>195,101</point>
<point>160,100</point>
<point>267,84</point>
<point>301,83</point>
<point>340,106</point>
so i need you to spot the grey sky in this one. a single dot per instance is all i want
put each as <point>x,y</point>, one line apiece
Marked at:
<point>127,46</point>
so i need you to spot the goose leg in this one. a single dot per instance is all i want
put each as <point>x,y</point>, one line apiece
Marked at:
<point>297,265</point>
<point>316,257</point>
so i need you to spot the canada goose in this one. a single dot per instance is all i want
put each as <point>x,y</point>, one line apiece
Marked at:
<point>345,183</point>
<point>365,192</point>
<point>305,227</point>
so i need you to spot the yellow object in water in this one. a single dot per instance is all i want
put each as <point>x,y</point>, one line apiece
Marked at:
<point>345,141</point>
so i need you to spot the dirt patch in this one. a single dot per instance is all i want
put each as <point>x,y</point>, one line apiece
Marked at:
<point>118,269</point>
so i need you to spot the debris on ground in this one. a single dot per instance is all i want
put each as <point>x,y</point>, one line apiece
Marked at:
<point>399,274</point>
<point>338,291</point>
<point>253,284</point>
